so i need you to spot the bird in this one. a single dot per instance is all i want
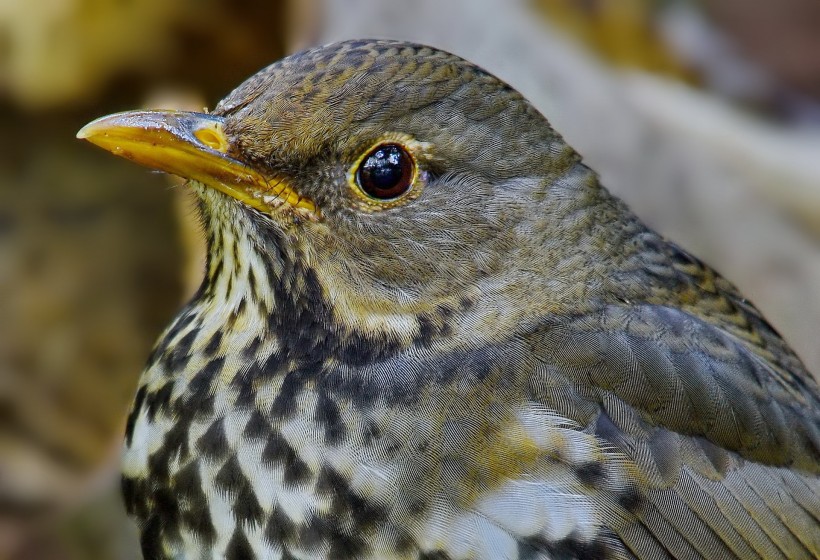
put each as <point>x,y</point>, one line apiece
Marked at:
<point>427,331</point>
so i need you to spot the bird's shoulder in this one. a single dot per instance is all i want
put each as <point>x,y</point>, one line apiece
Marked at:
<point>672,369</point>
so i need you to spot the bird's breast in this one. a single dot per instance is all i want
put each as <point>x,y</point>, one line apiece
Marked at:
<point>257,451</point>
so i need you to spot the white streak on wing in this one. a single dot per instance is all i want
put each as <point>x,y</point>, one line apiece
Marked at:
<point>475,537</point>
<point>435,532</point>
<point>527,509</point>
<point>516,507</point>
<point>555,435</point>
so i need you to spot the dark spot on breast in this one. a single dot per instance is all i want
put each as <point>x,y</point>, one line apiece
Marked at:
<point>284,405</point>
<point>176,439</point>
<point>329,483</point>
<point>344,545</point>
<point>416,506</point>
<point>214,343</point>
<point>355,350</point>
<point>230,479</point>
<point>279,529</point>
<point>132,416</point>
<point>178,355</point>
<point>426,331</point>
<point>313,533</point>
<point>230,324</point>
<point>250,351</point>
<point>444,311</point>
<point>229,290</point>
<point>212,444</point>
<point>252,284</point>
<point>246,507</point>
<point>200,386</point>
<point>391,446</point>
<point>151,537</point>
<point>319,530</point>
<point>185,318</point>
<point>246,397</point>
<point>346,506</point>
<point>159,401</point>
<point>156,353</point>
<point>465,303</point>
<point>238,547</point>
<point>327,415</point>
<point>434,555</point>
<point>167,505</point>
<point>188,484</point>
<point>366,515</point>
<point>195,516</point>
<point>530,548</point>
<point>159,466</point>
<point>216,272</point>
<point>423,446</point>
<point>360,391</point>
<point>134,495</point>
<point>257,428</point>
<point>279,452</point>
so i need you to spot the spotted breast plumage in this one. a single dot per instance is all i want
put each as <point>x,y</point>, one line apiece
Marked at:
<point>427,332</point>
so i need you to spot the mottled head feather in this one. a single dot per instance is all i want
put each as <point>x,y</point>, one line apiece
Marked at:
<point>499,204</point>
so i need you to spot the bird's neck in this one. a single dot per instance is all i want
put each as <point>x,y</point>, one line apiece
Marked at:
<point>267,305</point>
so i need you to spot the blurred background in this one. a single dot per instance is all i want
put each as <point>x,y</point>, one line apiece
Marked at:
<point>704,115</point>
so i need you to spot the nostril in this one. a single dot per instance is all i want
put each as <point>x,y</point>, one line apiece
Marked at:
<point>212,137</point>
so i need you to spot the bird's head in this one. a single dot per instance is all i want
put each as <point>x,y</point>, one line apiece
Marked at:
<point>405,182</point>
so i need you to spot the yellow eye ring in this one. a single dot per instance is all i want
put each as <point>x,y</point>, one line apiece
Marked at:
<point>386,172</point>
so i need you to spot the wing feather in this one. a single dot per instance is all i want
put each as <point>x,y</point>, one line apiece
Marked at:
<point>724,444</point>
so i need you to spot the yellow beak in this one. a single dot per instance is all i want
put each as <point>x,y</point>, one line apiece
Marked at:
<point>193,146</point>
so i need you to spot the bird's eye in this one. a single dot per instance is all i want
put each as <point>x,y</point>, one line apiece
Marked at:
<point>386,172</point>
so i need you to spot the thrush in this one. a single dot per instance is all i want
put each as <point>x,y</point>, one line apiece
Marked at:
<point>426,331</point>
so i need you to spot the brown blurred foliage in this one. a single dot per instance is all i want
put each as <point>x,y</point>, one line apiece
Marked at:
<point>623,31</point>
<point>92,250</point>
<point>781,35</point>
<point>68,53</point>
<point>765,51</point>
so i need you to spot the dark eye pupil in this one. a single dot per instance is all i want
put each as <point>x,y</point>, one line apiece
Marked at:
<point>386,172</point>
